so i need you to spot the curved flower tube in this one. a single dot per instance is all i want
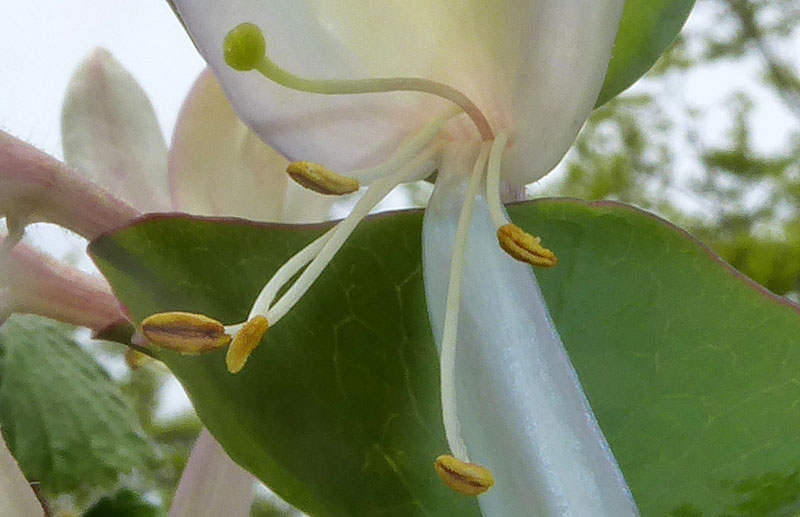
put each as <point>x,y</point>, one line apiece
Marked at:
<point>33,282</point>
<point>488,95</point>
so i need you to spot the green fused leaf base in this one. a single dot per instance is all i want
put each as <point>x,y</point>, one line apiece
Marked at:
<point>690,368</point>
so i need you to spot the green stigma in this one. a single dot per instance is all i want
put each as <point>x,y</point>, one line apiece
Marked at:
<point>244,47</point>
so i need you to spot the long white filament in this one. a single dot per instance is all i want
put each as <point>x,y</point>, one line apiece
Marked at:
<point>286,272</point>
<point>420,166</point>
<point>448,353</point>
<point>493,180</point>
<point>407,150</point>
<point>399,162</point>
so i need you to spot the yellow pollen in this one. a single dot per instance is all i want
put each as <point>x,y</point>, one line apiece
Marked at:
<point>246,340</point>
<point>320,179</point>
<point>184,332</point>
<point>524,246</point>
<point>464,478</point>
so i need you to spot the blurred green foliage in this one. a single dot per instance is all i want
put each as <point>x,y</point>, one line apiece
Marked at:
<point>645,147</point>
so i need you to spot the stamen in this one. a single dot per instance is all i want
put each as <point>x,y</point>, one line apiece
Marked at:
<point>377,191</point>
<point>244,49</point>
<point>286,272</point>
<point>452,425</point>
<point>514,240</point>
<point>184,332</point>
<point>524,246</point>
<point>464,478</point>
<point>408,149</point>
<point>320,179</point>
<point>493,180</point>
<point>403,155</point>
<point>246,340</point>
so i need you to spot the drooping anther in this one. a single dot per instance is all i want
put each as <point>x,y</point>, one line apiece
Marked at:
<point>246,340</point>
<point>524,246</point>
<point>184,332</point>
<point>320,179</point>
<point>464,478</point>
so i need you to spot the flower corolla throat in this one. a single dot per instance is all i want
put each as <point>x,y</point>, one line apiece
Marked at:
<point>421,154</point>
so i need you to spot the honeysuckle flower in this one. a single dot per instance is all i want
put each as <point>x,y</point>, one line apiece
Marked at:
<point>109,129</point>
<point>120,167</point>
<point>493,94</point>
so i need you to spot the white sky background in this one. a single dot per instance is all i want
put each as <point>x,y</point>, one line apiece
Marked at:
<point>42,41</point>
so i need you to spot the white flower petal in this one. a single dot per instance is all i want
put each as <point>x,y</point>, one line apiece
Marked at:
<point>16,495</point>
<point>217,166</point>
<point>110,133</point>
<point>565,49</point>
<point>534,68</point>
<point>212,484</point>
<point>341,132</point>
<point>523,413</point>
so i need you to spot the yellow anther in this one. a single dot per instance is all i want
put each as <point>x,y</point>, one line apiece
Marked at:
<point>184,332</point>
<point>246,340</point>
<point>319,179</point>
<point>464,478</point>
<point>524,246</point>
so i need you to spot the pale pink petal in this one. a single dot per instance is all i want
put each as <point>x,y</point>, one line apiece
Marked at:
<point>212,484</point>
<point>33,282</point>
<point>342,132</point>
<point>16,495</point>
<point>37,187</point>
<point>533,68</point>
<point>110,133</point>
<point>217,166</point>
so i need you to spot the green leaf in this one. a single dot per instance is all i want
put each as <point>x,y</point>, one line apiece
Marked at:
<point>338,411</point>
<point>647,29</point>
<point>690,368</point>
<point>64,420</point>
